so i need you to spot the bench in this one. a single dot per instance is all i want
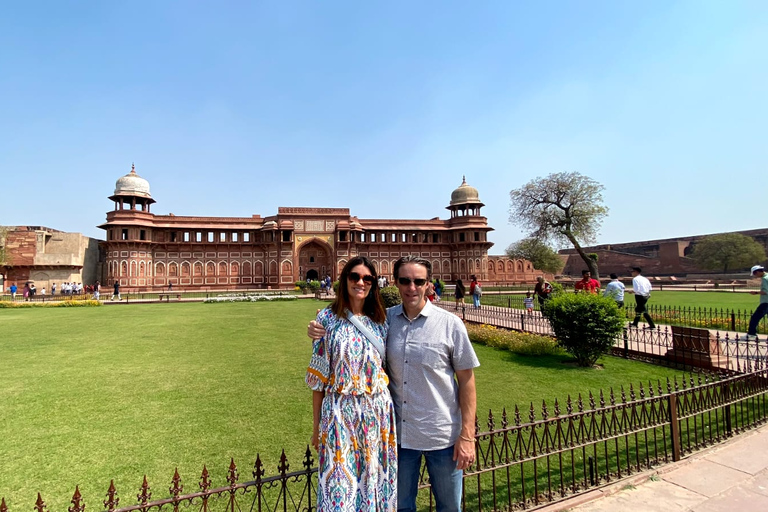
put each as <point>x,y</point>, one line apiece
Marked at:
<point>694,346</point>
<point>167,296</point>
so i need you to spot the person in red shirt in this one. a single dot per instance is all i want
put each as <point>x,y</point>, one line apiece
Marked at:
<point>587,284</point>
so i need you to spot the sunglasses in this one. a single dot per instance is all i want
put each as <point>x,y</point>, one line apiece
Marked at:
<point>355,277</point>
<point>406,281</point>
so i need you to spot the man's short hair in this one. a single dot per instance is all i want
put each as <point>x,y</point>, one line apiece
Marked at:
<point>412,258</point>
<point>637,269</point>
<point>584,272</point>
<point>614,276</point>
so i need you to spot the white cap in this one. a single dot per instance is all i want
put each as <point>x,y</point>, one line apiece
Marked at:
<point>755,269</point>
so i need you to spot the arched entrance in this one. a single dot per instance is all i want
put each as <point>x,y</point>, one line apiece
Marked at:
<point>315,260</point>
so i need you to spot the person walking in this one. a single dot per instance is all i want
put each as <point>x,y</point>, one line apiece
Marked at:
<point>116,290</point>
<point>459,293</point>
<point>353,413</point>
<point>641,287</point>
<point>14,289</point>
<point>762,307</point>
<point>587,283</point>
<point>96,290</point>
<point>615,290</point>
<point>476,291</point>
<point>543,290</point>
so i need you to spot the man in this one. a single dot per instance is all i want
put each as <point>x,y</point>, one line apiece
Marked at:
<point>641,287</point>
<point>14,289</point>
<point>116,292</point>
<point>587,284</point>
<point>542,291</point>
<point>430,362</point>
<point>762,307</point>
<point>615,290</point>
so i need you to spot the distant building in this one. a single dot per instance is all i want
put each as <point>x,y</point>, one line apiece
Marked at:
<point>44,256</point>
<point>666,257</point>
<point>145,251</point>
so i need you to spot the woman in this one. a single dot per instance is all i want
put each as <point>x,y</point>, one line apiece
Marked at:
<point>474,292</point>
<point>459,293</point>
<point>353,415</point>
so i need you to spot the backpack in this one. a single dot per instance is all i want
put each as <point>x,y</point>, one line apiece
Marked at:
<point>478,290</point>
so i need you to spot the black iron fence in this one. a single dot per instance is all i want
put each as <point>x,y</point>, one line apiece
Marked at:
<point>524,459</point>
<point>707,318</point>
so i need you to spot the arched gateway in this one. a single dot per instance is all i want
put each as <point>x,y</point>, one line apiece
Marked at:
<point>315,260</point>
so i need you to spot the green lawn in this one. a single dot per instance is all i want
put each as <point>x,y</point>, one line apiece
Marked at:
<point>90,394</point>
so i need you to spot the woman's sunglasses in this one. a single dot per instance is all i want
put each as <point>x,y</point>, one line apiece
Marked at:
<point>406,281</point>
<point>355,277</point>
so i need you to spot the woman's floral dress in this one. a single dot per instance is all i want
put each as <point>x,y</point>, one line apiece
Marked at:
<point>358,450</point>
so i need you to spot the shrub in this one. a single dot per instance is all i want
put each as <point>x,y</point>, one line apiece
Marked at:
<point>58,304</point>
<point>518,342</point>
<point>585,324</point>
<point>336,287</point>
<point>314,286</point>
<point>390,296</point>
<point>248,298</point>
<point>302,286</point>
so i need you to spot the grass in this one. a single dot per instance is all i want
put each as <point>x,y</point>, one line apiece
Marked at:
<point>91,394</point>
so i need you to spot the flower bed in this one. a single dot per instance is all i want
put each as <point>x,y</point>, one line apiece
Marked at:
<point>250,298</point>
<point>518,342</point>
<point>60,304</point>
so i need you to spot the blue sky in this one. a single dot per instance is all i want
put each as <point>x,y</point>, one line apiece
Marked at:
<point>236,108</point>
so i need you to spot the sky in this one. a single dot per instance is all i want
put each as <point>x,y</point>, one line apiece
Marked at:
<point>235,108</point>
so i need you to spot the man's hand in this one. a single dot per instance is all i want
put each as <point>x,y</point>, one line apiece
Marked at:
<point>315,330</point>
<point>464,453</point>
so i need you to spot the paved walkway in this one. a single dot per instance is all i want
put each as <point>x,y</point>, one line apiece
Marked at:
<point>731,477</point>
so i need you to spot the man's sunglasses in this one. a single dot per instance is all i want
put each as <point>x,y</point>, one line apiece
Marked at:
<point>406,281</point>
<point>355,277</point>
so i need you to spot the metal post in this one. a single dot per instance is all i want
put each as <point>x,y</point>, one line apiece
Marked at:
<point>674,426</point>
<point>626,343</point>
<point>733,321</point>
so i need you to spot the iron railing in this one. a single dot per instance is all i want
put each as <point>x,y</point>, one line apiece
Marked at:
<point>523,459</point>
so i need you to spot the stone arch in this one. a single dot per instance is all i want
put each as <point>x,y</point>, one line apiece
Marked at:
<point>173,269</point>
<point>160,269</point>
<point>384,268</point>
<point>463,267</point>
<point>234,269</point>
<point>258,268</point>
<point>273,268</point>
<point>471,266</point>
<point>210,269</point>
<point>519,266</point>
<point>341,266</point>
<point>132,269</point>
<point>313,254</point>
<point>247,268</point>
<point>186,270</point>
<point>141,269</point>
<point>197,268</point>
<point>436,267</point>
<point>447,267</point>
<point>480,265</point>
<point>510,267</point>
<point>287,267</point>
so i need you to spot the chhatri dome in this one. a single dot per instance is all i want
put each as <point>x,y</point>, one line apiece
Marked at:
<point>465,194</point>
<point>132,185</point>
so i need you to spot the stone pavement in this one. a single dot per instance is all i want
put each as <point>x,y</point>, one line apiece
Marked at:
<point>731,477</point>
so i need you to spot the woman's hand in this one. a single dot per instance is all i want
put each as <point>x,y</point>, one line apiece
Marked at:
<point>315,439</point>
<point>315,330</point>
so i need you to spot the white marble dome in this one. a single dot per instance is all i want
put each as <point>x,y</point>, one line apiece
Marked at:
<point>132,185</point>
<point>465,194</point>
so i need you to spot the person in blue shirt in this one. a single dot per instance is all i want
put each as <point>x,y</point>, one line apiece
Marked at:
<point>14,289</point>
<point>615,290</point>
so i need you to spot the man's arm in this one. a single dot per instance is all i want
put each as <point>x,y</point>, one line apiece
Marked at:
<point>464,449</point>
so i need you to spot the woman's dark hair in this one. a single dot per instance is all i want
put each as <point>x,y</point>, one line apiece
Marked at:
<point>460,286</point>
<point>372,306</point>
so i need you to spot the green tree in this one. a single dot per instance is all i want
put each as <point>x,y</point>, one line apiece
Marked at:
<point>566,207</point>
<point>730,251</point>
<point>537,252</point>
<point>585,324</point>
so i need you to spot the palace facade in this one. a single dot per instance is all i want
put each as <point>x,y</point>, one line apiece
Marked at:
<point>148,251</point>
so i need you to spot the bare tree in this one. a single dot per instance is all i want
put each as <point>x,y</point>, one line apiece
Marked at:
<point>565,207</point>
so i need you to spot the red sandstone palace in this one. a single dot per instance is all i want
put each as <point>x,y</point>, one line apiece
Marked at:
<point>148,251</point>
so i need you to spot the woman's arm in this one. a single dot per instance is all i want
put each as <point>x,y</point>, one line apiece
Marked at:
<point>317,403</point>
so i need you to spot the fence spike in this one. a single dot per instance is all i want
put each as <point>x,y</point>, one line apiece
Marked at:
<point>557,408</point>
<point>112,499</point>
<point>258,469</point>
<point>569,405</point>
<point>144,493</point>
<point>491,423</point>
<point>611,396</point>
<point>504,420</point>
<point>205,479</point>
<point>39,504</point>
<point>232,473</point>
<point>602,399</point>
<point>308,460</point>
<point>78,504</point>
<point>284,466</point>
<point>631,392</point>
<point>176,485</point>
<point>531,414</point>
<point>642,391</point>
<point>544,413</point>
<point>518,421</point>
<point>3,507</point>
<point>580,404</point>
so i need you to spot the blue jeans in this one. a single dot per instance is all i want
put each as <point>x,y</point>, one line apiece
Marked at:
<point>476,300</point>
<point>445,479</point>
<point>760,312</point>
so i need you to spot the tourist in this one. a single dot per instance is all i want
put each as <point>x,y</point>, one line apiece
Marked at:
<point>430,294</point>
<point>116,290</point>
<point>436,410</point>
<point>42,292</point>
<point>762,307</point>
<point>641,287</point>
<point>14,289</point>
<point>25,292</point>
<point>459,292</point>
<point>438,289</point>
<point>528,302</point>
<point>353,414</point>
<point>96,290</point>
<point>615,290</point>
<point>587,284</point>
<point>542,290</point>
<point>53,289</point>
<point>476,291</point>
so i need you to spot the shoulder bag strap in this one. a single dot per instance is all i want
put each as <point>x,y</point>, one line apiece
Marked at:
<point>368,334</point>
